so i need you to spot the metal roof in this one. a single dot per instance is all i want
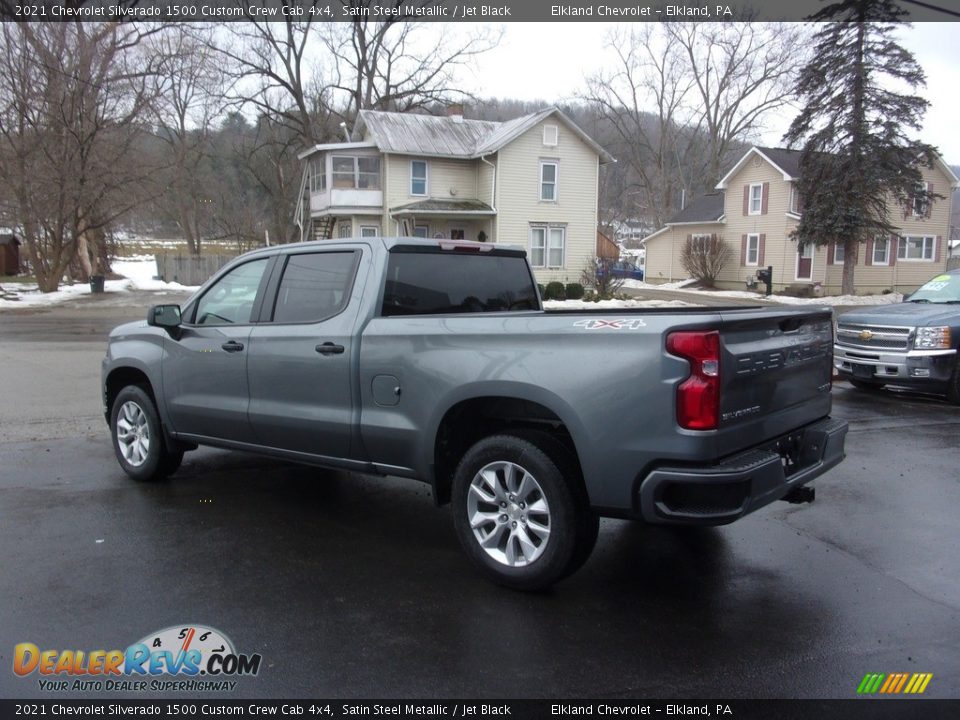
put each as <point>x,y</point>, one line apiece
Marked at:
<point>437,205</point>
<point>442,136</point>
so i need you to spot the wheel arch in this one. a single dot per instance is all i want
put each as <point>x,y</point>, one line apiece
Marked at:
<point>499,408</point>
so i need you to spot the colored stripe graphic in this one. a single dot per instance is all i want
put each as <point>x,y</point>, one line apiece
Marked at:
<point>894,683</point>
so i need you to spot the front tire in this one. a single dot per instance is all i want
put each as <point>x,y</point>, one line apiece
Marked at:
<point>137,436</point>
<point>516,513</point>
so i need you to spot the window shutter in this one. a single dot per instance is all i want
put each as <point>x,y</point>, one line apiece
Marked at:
<point>743,249</point>
<point>936,249</point>
<point>929,199</point>
<point>892,249</point>
<point>830,253</point>
<point>868,260</point>
<point>746,199</point>
<point>908,207</point>
<point>764,196</point>
<point>760,251</point>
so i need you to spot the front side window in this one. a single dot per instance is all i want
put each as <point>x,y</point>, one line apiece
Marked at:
<point>839,253</point>
<point>318,175</point>
<point>756,199</point>
<point>421,231</point>
<point>230,300</point>
<point>418,177</point>
<point>753,249</point>
<point>881,251</point>
<point>915,248</point>
<point>314,286</point>
<point>548,181</point>
<point>342,176</point>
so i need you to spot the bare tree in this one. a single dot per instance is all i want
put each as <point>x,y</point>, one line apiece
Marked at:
<point>398,64</point>
<point>645,99</point>
<point>704,258</point>
<point>740,72</point>
<point>188,97</point>
<point>70,103</point>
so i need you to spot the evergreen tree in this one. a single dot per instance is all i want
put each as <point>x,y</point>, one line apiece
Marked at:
<point>857,156</point>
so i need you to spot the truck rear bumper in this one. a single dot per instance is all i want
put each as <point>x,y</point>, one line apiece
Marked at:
<point>719,494</point>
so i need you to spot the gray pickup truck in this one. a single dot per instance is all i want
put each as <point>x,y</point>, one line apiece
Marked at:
<point>913,344</point>
<point>435,361</point>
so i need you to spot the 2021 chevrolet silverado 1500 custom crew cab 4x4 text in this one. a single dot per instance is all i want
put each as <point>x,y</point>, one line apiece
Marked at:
<point>434,360</point>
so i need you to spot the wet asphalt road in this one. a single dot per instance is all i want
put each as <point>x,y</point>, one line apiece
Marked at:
<point>350,586</point>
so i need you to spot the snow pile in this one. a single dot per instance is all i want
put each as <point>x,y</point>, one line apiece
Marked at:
<point>138,274</point>
<point>643,285</point>
<point>685,286</point>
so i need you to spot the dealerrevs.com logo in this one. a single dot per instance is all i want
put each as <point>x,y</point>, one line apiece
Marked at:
<point>179,658</point>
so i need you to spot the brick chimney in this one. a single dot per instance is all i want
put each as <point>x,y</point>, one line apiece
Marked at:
<point>455,111</point>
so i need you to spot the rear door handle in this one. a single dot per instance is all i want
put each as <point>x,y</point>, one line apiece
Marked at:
<point>328,348</point>
<point>232,346</point>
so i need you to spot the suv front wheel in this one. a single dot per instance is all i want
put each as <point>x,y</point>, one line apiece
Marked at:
<point>138,438</point>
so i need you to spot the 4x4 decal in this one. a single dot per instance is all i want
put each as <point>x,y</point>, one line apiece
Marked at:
<point>632,324</point>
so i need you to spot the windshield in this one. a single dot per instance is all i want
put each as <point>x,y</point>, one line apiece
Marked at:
<point>941,289</point>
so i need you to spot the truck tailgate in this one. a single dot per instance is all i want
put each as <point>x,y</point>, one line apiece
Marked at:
<point>776,369</point>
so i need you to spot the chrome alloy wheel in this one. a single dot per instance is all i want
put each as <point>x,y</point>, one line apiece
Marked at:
<point>509,514</point>
<point>133,433</point>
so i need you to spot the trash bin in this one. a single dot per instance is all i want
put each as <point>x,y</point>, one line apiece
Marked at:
<point>96,283</point>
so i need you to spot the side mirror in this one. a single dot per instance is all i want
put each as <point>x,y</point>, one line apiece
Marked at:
<point>165,316</point>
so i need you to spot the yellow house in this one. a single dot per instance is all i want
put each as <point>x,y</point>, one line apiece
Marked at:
<point>531,181</point>
<point>756,208</point>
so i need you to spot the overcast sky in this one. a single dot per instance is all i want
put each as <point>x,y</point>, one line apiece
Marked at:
<point>549,61</point>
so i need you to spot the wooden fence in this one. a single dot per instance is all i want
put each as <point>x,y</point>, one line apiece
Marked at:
<point>189,269</point>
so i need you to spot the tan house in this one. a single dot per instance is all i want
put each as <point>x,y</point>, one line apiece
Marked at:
<point>756,208</point>
<point>532,181</point>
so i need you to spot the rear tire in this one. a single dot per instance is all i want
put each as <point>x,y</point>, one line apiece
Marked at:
<point>138,439</point>
<point>518,511</point>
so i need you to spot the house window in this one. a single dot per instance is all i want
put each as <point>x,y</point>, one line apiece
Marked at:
<point>418,177</point>
<point>839,253</point>
<point>794,199</point>
<point>756,198</point>
<point>548,181</point>
<point>345,230</point>
<point>881,251</point>
<point>550,135</point>
<point>547,246</point>
<point>318,175</point>
<point>915,248</point>
<point>421,231</point>
<point>355,173</point>
<point>700,243</point>
<point>753,249</point>
<point>457,234</point>
<point>369,231</point>
<point>920,202</point>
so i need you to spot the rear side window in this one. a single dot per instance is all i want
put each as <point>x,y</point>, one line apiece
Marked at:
<point>427,283</point>
<point>314,286</point>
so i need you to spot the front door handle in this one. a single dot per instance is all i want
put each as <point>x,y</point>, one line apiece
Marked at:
<point>328,348</point>
<point>232,346</point>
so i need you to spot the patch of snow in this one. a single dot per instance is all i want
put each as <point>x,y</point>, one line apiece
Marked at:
<point>643,285</point>
<point>888,299</point>
<point>138,273</point>
<point>611,304</point>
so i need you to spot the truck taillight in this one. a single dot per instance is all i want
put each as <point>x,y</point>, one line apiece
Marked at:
<point>698,397</point>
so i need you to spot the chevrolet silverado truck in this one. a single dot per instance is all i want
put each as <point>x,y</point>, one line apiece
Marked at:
<point>912,344</point>
<point>434,360</point>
